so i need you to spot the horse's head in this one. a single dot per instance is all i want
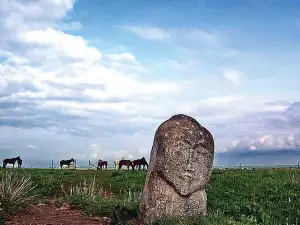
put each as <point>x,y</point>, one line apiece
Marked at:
<point>18,157</point>
<point>72,160</point>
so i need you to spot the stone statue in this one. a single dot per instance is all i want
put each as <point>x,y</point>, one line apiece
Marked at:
<point>180,167</point>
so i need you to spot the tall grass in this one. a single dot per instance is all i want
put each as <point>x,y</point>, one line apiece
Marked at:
<point>14,192</point>
<point>90,197</point>
<point>87,189</point>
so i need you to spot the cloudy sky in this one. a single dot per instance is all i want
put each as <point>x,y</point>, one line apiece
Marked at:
<point>94,79</point>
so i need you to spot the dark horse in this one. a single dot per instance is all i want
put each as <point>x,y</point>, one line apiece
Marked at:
<point>12,161</point>
<point>66,162</point>
<point>101,164</point>
<point>127,163</point>
<point>140,162</point>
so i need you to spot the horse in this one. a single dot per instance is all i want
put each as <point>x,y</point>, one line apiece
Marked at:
<point>12,161</point>
<point>101,163</point>
<point>20,163</point>
<point>127,163</point>
<point>66,162</point>
<point>116,162</point>
<point>140,162</point>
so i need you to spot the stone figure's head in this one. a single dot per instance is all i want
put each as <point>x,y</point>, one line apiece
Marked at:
<point>185,153</point>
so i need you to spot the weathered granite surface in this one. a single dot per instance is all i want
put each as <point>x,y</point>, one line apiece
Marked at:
<point>180,166</point>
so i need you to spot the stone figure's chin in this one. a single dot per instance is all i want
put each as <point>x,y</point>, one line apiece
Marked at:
<point>183,185</point>
<point>180,185</point>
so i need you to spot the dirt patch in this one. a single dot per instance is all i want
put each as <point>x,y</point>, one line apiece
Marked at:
<point>43,214</point>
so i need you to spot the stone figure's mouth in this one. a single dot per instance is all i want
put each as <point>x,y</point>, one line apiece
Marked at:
<point>187,175</point>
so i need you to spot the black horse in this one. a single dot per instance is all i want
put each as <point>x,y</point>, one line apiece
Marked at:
<point>127,163</point>
<point>12,161</point>
<point>20,163</point>
<point>140,162</point>
<point>66,162</point>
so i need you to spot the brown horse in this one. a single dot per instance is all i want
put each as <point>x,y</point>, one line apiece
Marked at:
<point>127,163</point>
<point>101,164</point>
<point>140,162</point>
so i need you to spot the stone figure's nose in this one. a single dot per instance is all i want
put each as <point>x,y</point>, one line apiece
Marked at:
<point>190,167</point>
<point>189,161</point>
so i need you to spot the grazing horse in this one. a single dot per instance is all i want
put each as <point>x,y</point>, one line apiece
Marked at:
<point>101,164</point>
<point>127,163</point>
<point>140,162</point>
<point>12,161</point>
<point>116,162</point>
<point>66,162</point>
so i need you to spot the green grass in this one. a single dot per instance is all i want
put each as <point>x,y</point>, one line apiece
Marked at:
<point>234,196</point>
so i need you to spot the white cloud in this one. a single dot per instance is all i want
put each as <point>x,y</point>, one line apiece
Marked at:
<point>200,35</point>
<point>31,146</point>
<point>221,100</point>
<point>266,142</point>
<point>73,25</point>
<point>3,83</point>
<point>233,76</point>
<point>150,33</point>
<point>252,147</point>
<point>127,57</point>
<point>59,46</point>
<point>19,16</point>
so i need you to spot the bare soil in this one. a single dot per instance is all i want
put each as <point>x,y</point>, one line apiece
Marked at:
<point>43,214</point>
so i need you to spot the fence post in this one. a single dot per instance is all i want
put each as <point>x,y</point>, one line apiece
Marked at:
<point>75,164</point>
<point>52,163</point>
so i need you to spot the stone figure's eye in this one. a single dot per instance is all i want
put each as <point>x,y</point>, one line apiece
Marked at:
<point>187,142</point>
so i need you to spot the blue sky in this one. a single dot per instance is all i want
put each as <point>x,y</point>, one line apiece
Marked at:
<point>94,79</point>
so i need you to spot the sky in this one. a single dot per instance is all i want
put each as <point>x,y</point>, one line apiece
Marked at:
<point>94,79</point>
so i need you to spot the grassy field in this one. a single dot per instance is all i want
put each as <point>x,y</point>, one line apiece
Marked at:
<point>262,196</point>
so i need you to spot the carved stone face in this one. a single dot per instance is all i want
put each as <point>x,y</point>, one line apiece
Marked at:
<point>185,159</point>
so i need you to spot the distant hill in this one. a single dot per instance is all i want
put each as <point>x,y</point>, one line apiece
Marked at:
<point>259,157</point>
